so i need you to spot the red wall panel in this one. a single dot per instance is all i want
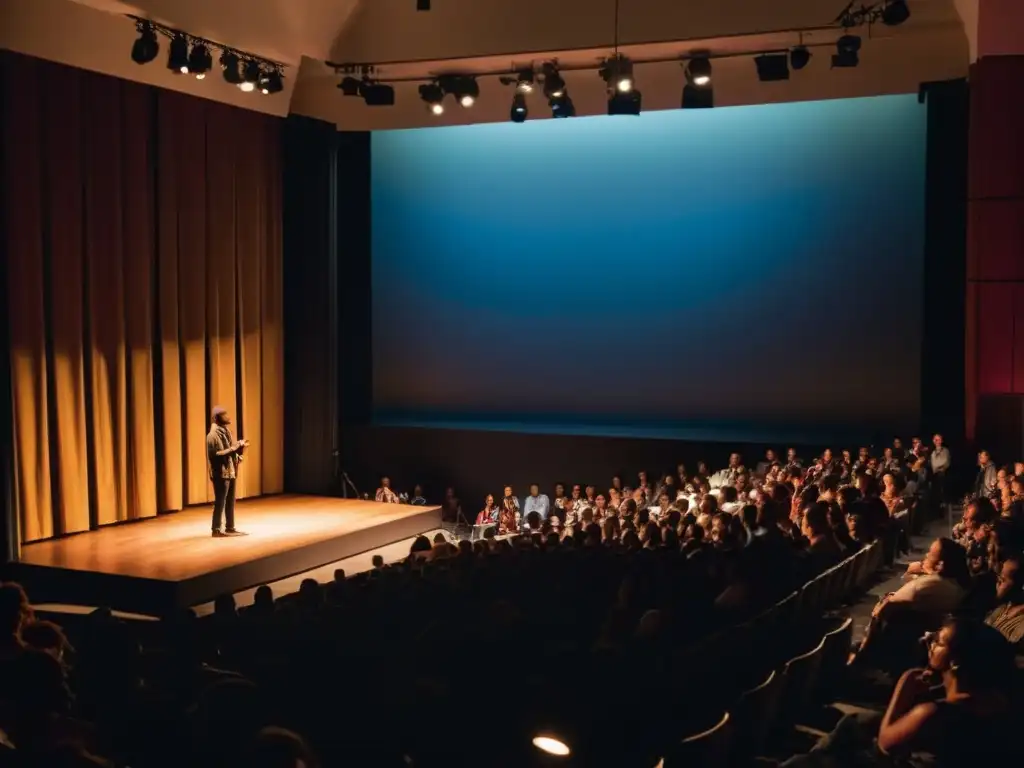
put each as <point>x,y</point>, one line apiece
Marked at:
<point>995,338</point>
<point>997,127</point>
<point>995,239</point>
<point>1018,339</point>
<point>994,354</point>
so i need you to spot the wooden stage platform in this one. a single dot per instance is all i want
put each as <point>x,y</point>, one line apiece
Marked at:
<point>170,561</point>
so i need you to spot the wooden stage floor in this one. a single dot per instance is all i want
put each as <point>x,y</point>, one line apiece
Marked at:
<point>172,561</point>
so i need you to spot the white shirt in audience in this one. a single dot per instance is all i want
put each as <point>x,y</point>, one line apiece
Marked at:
<point>930,594</point>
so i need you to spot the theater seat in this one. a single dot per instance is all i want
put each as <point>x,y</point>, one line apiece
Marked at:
<point>709,747</point>
<point>801,679</point>
<point>833,662</point>
<point>753,717</point>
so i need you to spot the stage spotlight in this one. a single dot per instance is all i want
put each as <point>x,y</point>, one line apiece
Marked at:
<point>519,112</point>
<point>554,85</point>
<point>177,55</point>
<point>772,67</point>
<point>698,71</point>
<point>200,61</point>
<point>697,98</point>
<point>895,12</point>
<point>562,106</point>
<point>272,82</point>
<point>232,68</point>
<point>377,94</point>
<point>146,47</point>
<point>617,72</point>
<point>628,103</point>
<point>251,75</point>
<point>799,57</point>
<point>463,87</point>
<point>524,82</point>
<point>847,52</point>
<point>468,92</point>
<point>551,745</point>
<point>349,86</point>
<point>422,5</point>
<point>433,95</point>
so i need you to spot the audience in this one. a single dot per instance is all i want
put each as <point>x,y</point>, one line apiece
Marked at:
<point>588,580</point>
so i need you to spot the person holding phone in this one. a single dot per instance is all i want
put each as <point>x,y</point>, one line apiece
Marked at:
<point>225,455</point>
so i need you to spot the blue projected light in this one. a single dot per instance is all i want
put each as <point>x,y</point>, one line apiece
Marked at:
<point>760,264</point>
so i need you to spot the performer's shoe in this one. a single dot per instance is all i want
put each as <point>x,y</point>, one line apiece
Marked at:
<point>233,532</point>
<point>219,534</point>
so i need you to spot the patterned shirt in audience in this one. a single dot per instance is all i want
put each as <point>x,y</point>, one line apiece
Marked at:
<point>386,496</point>
<point>1008,619</point>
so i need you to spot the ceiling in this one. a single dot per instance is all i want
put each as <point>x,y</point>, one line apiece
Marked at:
<point>477,36</point>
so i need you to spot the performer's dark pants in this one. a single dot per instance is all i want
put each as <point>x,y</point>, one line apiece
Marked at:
<point>223,503</point>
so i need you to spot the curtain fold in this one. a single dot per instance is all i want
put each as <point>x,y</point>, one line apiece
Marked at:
<point>23,171</point>
<point>104,289</point>
<point>63,259</point>
<point>144,286</point>
<point>191,169</point>
<point>220,264</point>
<point>170,440</point>
<point>138,222</point>
<point>250,205</point>
<point>271,333</point>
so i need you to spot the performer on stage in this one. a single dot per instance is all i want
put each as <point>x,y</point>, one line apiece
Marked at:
<point>225,454</point>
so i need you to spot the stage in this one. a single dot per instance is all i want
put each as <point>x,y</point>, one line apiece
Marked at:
<point>172,560</point>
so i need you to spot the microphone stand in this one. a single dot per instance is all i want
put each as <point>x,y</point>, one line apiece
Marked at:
<point>348,484</point>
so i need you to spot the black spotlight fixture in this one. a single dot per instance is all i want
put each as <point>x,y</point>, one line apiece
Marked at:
<point>177,55</point>
<point>377,94</point>
<point>524,81</point>
<point>847,53</point>
<point>562,106</point>
<point>272,82</point>
<point>895,12</point>
<point>349,86</point>
<point>232,67</point>
<point>799,57</point>
<point>200,61</point>
<point>695,97</point>
<point>698,71</point>
<point>625,103</point>
<point>146,48</point>
<point>433,96</point>
<point>554,85</point>
<point>617,72</point>
<point>422,5</point>
<point>251,74</point>
<point>772,67</point>
<point>463,87</point>
<point>519,112</point>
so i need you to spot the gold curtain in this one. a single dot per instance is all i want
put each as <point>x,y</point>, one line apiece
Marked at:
<point>144,286</point>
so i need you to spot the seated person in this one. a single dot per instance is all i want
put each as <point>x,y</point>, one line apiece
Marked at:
<point>418,499</point>
<point>941,585</point>
<point>971,721</point>
<point>508,517</point>
<point>537,502</point>
<point>1008,615</point>
<point>384,494</point>
<point>957,711</point>
<point>899,619</point>
<point>978,516</point>
<point>489,514</point>
<point>822,550</point>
